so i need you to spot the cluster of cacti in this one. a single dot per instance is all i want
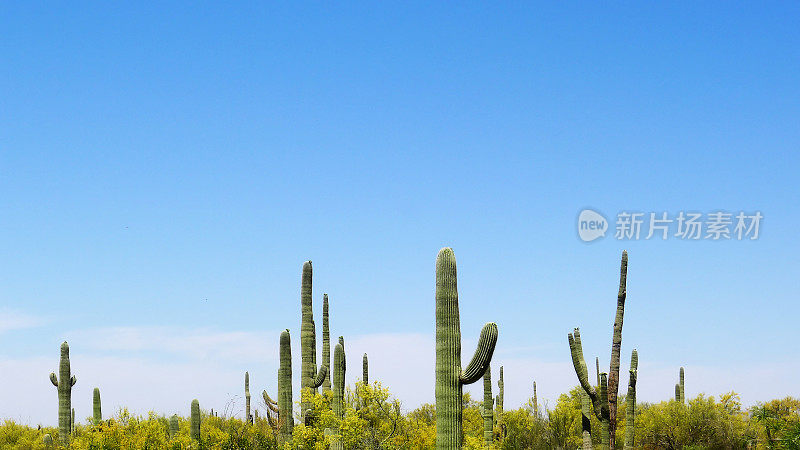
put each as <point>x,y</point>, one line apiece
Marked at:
<point>679,392</point>
<point>630,410</point>
<point>487,409</point>
<point>450,378</point>
<point>604,402</point>
<point>310,377</point>
<point>247,417</point>
<point>97,414</point>
<point>194,426</point>
<point>64,382</point>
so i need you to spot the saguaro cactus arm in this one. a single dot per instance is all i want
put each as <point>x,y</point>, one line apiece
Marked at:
<point>73,380</point>
<point>54,379</point>
<point>483,354</point>
<point>319,377</point>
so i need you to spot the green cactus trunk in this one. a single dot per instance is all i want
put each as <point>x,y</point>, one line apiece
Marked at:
<point>97,414</point>
<point>605,429</point>
<point>365,370</point>
<point>285,416</point>
<point>616,345</point>
<point>630,410</point>
<point>310,377</point>
<point>488,417</point>
<point>586,421</point>
<point>337,404</point>
<point>450,379</point>
<point>64,382</point>
<point>597,368</point>
<point>247,417</point>
<point>535,401</point>
<point>683,393</point>
<point>173,426</point>
<point>500,393</point>
<point>194,431</point>
<point>326,342</point>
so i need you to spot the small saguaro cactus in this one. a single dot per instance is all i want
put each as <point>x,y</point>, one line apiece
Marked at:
<point>285,416</point>
<point>535,401</point>
<point>194,431</point>
<point>64,382</point>
<point>450,378</point>
<point>310,378</point>
<point>487,408</point>
<point>598,397</point>
<point>326,342</point>
<point>683,392</point>
<point>630,408</point>
<point>500,393</point>
<point>247,417</point>
<point>173,426</point>
<point>586,421</point>
<point>365,370</point>
<point>97,414</point>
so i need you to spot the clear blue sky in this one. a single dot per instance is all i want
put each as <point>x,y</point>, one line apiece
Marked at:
<point>171,167</point>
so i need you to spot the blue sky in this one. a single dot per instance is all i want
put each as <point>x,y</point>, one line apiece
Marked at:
<point>165,170</point>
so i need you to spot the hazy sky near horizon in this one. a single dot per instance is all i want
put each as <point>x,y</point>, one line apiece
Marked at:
<point>166,169</point>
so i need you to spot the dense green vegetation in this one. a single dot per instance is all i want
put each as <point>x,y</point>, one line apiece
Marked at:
<point>372,419</point>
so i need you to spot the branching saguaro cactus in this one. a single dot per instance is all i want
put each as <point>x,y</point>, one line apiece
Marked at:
<point>310,378</point>
<point>194,429</point>
<point>616,344</point>
<point>247,417</point>
<point>450,378</point>
<point>173,426</point>
<point>285,417</point>
<point>599,398</point>
<point>97,414</point>
<point>365,370</point>
<point>272,405</point>
<point>488,416</point>
<point>630,409</point>
<point>586,421</point>
<point>64,382</point>
<point>326,342</point>
<point>612,378</point>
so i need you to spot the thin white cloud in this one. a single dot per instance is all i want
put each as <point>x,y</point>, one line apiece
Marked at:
<point>14,320</point>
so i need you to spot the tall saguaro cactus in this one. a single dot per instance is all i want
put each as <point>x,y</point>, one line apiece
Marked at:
<point>630,410</point>
<point>326,342</point>
<point>599,396</point>
<point>683,392</point>
<point>247,398</point>
<point>64,382</point>
<point>97,414</point>
<point>616,344</point>
<point>365,370</point>
<point>285,417</point>
<point>194,425</point>
<point>337,404</point>
<point>535,401</point>
<point>450,378</point>
<point>310,377</point>
<point>488,416</point>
